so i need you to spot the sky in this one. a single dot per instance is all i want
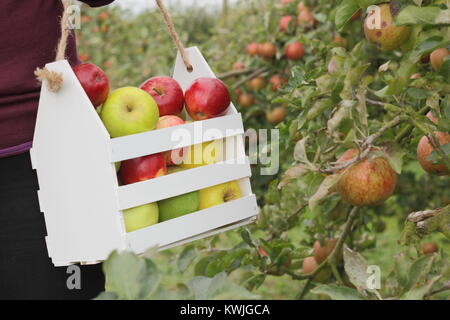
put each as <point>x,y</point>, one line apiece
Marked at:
<point>137,5</point>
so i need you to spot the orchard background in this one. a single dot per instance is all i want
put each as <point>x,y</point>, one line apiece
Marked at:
<point>342,93</point>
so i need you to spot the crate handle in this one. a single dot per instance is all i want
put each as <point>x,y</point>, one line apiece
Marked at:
<point>55,79</point>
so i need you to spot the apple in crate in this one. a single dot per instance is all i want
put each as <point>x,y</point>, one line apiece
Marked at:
<point>94,82</point>
<point>207,98</point>
<point>179,206</point>
<point>129,110</point>
<point>141,217</point>
<point>143,168</point>
<point>173,157</point>
<point>167,94</point>
<point>203,154</point>
<point>219,194</point>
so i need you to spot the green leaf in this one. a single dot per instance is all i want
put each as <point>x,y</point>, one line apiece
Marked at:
<point>107,296</point>
<point>255,282</point>
<point>205,288</point>
<point>419,270</point>
<point>338,293</point>
<point>124,273</point>
<point>344,12</point>
<point>420,292</point>
<point>324,190</point>
<point>187,256</point>
<point>434,156</point>
<point>150,279</point>
<point>356,268</point>
<point>300,151</point>
<point>423,15</point>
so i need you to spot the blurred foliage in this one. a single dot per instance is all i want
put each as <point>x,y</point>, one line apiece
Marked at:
<point>326,113</point>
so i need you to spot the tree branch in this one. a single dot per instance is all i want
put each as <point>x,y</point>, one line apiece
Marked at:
<point>332,259</point>
<point>249,77</point>
<point>234,73</point>
<point>365,146</point>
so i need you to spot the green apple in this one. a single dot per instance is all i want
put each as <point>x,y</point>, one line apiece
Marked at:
<point>219,194</point>
<point>179,206</point>
<point>117,165</point>
<point>128,111</point>
<point>141,217</point>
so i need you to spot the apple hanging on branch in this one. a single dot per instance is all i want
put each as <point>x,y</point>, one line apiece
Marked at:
<point>368,182</point>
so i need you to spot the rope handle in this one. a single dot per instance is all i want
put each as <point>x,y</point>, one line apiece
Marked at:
<point>55,79</point>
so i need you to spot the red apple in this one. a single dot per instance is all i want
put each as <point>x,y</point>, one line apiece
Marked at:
<point>143,168</point>
<point>285,22</point>
<point>295,51</point>
<point>277,82</point>
<point>252,49</point>
<point>167,94</point>
<point>207,98</point>
<point>239,66</point>
<point>172,157</point>
<point>267,50</point>
<point>425,148</point>
<point>94,82</point>
<point>367,182</point>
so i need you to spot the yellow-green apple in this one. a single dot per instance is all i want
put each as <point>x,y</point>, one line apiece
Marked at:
<point>173,157</point>
<point>143,168</point>
<point>202,154</point>
<point>380,28</point>
<point>129,110</point>
<point>179,206</point>
<point>253,49</point>
<point>437,57</point>
<point>294,51</point>
<point>366,182</point>
<point>207,98</point>
<point>141,217</point>
<point>117,165</point>
<point>167,93</point>
<point>425,148</point>
<point>219,194</point>
<point>94,82</point>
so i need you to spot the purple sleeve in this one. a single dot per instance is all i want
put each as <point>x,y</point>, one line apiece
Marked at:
<point>97,3</point>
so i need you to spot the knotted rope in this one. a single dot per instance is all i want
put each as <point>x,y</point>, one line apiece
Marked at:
<point>55,79</point>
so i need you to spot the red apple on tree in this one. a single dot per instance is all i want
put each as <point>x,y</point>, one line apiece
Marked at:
<point>207,98</point>
<point>142,168</point>
<point>167,94</point>
<point>173,157</point>
<point>366,182</point>
<point>94,82</point>
<point>295,51</point>
<point>252,49</point>
<point>285,22</point>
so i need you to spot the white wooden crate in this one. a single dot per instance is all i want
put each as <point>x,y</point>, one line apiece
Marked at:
<point>79,192</point>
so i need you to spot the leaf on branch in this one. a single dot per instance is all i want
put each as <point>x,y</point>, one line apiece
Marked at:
<point>293,173</point>
<point>419,270</point>
<point>420,292</point>
<point>187,256</point>
<point>326,188</point>
<point>300,151</point>
<point>205,288</point>
<point>423,15</point>
<point>338,293</point>
<point>384,67</point>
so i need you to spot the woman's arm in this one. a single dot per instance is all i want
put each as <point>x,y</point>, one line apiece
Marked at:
<point>97,3</point>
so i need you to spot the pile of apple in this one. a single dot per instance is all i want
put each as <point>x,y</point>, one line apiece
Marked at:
<point>160,103</point>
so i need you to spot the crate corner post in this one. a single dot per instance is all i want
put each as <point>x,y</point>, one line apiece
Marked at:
<point>77,180</point>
